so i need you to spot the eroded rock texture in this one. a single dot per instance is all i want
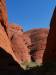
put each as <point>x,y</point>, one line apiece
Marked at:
<point>3,13</point>
<point>19,42</point>
<point>38,41</point>
<point>17,46</point>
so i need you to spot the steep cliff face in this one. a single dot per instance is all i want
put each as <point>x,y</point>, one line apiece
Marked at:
<point>3,13</point>
<point>28,46</point>
<point>50,51</point>
<point>6,44</point>
<point>17,47</point>
<point>19,43</point>
<point>4,41</point>
<point>38,41</point>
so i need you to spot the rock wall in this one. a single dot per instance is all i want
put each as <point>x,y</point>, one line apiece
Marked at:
<point>50,51</point>
<point>19,43</point>
<point>17,46</point>
<point>38,41</point>
<point>3,13</point>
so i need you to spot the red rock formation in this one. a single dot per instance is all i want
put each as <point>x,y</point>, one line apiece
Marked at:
<point>27,41</point>
<point>24,45</point>
<point>3,13</point>
<point>38,40</point>
<point>19,43</point>
<point>13,28</point>
<point>4,40</point>
<point>5,43</point>
<point>50,51</point>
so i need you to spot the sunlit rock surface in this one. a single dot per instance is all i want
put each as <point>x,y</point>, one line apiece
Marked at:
<point>38,43</point>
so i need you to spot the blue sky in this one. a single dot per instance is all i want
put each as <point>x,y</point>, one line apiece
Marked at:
<point>30,13</point>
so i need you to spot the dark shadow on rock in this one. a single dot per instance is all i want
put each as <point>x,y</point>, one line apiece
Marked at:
<point>49,57</point>
<point>8,66</point>
<point>50,51</point>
